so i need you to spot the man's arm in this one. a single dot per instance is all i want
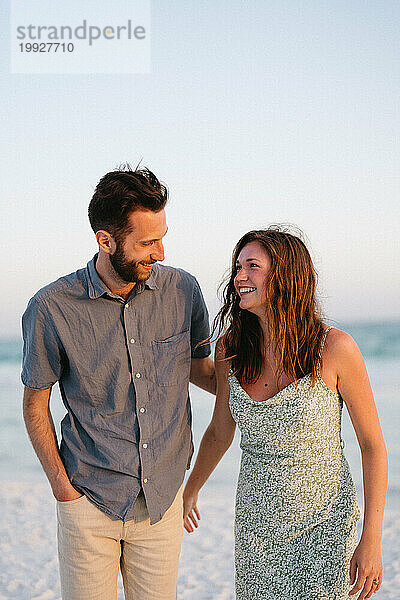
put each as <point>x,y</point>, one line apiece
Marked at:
<point>40,427</point>
<point>202,374</point>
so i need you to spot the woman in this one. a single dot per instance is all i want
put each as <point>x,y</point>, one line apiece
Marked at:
<point>283,376</point>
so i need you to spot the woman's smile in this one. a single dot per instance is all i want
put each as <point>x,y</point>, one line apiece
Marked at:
<point>246,290</point>
<point>252,267</point>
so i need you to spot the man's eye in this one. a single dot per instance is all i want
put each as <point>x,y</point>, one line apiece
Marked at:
<point>147,243</point>
<point>254,265</point>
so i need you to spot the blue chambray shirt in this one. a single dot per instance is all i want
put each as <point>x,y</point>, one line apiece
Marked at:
<point>123,370</point>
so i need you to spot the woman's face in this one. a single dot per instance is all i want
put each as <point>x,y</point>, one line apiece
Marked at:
<point>252,267</point>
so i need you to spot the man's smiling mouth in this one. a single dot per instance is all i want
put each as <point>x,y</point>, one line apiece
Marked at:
<point>146,265</point>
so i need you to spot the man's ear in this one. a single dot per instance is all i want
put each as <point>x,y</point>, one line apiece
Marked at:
<point>105,241</point>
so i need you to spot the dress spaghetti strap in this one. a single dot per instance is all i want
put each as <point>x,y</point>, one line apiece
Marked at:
<point>327,330</point>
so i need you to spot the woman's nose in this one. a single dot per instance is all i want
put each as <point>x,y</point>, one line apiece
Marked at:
<point>241,276</point>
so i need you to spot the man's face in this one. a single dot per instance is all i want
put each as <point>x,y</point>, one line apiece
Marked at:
<point>135,255</point>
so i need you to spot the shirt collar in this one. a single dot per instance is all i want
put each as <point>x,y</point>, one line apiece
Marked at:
<point>97,288</point>
<point>150,283</point>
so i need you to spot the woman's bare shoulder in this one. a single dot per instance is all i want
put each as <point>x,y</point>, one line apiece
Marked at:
<point>340,346</point>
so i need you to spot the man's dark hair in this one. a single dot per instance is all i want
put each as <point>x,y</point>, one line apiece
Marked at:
<point>119,193</point>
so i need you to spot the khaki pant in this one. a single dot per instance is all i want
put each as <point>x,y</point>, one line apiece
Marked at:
<point>92,547</point>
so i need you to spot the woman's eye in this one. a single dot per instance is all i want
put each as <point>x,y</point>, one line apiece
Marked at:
<point>254,265</point>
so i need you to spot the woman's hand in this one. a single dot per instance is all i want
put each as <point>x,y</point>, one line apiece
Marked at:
<point>367,565</point>
<point>190,510</point>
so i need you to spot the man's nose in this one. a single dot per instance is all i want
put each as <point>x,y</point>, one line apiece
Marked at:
<point>158,251</point>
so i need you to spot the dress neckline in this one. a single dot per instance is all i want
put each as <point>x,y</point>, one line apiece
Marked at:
<point>295,382</point>
<point>289,385</point>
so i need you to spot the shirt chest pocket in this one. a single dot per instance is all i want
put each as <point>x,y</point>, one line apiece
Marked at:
<point>172,358</point>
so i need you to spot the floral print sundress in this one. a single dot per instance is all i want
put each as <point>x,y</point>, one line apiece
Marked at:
<point>296,506</point>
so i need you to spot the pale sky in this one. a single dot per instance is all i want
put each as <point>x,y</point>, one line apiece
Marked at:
<point>253,113</point>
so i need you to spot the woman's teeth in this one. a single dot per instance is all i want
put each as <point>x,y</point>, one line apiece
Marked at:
<point>246,290</point>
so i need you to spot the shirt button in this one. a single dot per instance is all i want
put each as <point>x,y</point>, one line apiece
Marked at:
<point>145,480</point>
<point>132,341</point>
<point>144,445</point>
<point>138,375</point>
<point>142,410</point>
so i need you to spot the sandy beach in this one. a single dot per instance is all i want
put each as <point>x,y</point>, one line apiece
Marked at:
<point>28,555</point>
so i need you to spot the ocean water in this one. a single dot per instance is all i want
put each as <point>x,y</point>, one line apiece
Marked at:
<point>379,343</point>
<point>212,546</point>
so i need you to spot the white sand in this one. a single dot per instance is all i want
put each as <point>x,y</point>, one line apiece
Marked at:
<point>28,557</point>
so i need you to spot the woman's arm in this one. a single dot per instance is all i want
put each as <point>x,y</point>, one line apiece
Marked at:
<point>354,387</point>
<point>215,442</point>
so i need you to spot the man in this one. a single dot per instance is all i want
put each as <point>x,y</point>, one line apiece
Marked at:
<point>121,338</point>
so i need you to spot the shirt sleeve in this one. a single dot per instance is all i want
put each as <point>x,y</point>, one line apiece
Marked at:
<point>200,326</point>
<point>42,353</point>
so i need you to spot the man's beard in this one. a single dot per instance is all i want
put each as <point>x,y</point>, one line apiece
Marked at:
<point>127,270</point>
